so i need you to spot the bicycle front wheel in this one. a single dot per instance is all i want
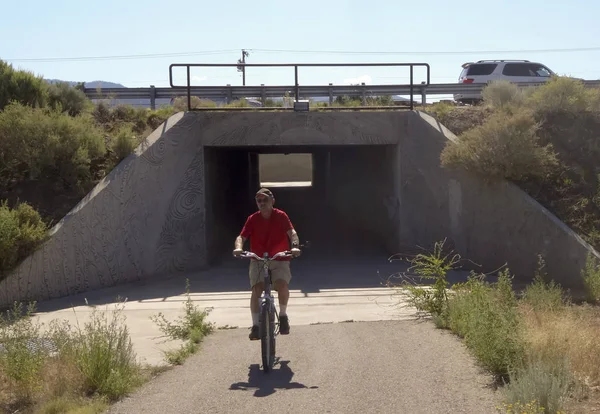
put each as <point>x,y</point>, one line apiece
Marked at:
<point>267,337</point>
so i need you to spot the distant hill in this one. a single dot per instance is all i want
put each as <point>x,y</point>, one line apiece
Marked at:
<point>92,84</point>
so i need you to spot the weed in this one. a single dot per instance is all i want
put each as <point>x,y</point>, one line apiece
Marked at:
<point>22,354</point>
<point>192,327</point>
<point>486,316</point>
<point>434,266</point>
<point>542,296</point>
<point>178,356</point>
<point>104,354</point>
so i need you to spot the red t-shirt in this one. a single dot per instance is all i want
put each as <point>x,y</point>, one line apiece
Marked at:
<point>268,235</point>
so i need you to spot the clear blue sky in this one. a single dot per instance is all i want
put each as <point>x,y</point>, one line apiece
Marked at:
<point>276,30</point>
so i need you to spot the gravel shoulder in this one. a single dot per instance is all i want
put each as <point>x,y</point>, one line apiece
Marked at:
<point>383,367</point>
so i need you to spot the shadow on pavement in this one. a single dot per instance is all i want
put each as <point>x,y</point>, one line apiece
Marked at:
<point>265,384</point>
<point>310,274</point>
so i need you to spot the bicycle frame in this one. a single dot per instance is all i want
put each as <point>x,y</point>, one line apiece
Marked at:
<point>268,312</point>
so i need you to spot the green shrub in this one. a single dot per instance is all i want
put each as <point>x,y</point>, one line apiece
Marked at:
<point>180,104</point>
<point>33,231</point>
<point>65,98</point>
<point>9,236</point>
<point>128,115</point>
<point>549,385</point>
<point>502,94</point>
<point>124,143</point>
<point>157,117</point>
<point>101,113</point>
<point>506,146</point>
<point>591,279</point>
<point>486,316</point>
<point>562,94</point>
<point>21,232</point>
<point>279,104</point>
<point>544,296</point>
<point>37,143</point>
<point>21,362</point>
<point>21,86</point>
<point>61,368</point>
<point>441,111</point>
<point>238,103</point>
<point>104,354</point>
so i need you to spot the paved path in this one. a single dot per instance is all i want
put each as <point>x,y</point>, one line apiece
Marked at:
<point>371,367</point>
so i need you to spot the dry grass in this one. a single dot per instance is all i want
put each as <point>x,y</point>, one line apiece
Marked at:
<point>572,332</point>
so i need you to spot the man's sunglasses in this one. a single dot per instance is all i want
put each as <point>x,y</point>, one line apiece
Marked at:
<point>262,200</point>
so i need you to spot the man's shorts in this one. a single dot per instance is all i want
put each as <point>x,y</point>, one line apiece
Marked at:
<point>280,269</point>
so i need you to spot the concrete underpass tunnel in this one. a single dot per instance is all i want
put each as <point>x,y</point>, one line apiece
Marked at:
<point>336,196</point>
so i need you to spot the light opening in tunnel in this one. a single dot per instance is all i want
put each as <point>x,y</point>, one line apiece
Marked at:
<point>285,170</point>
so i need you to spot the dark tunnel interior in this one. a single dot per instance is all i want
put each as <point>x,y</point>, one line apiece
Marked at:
<point>341,211</point>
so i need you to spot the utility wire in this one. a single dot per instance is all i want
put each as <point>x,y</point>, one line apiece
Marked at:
<point>329,52</point>
<point>119,57</point>
<point>463,52</point>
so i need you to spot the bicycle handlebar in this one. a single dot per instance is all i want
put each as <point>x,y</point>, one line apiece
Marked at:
<point>285,253</point>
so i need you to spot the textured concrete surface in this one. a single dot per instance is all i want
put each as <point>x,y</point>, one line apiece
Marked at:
<point>151,217</point>
<point>491,224</point>
<point>366,367</point>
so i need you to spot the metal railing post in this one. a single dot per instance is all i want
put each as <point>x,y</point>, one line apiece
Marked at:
<point>189,90</point>
<point>297,84</point>
<point>364,94</point>
<point>411,88</point>
<point>152,97</point>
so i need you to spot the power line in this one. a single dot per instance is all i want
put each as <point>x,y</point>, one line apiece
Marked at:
<point>462,52</point>
<point>329,52</point>
<point>120,57</point>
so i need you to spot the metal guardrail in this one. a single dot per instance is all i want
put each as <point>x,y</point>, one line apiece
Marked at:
<point>231,93</point>
<point>297,89</point>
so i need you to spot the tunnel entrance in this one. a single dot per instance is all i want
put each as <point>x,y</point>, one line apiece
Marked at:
<point>337,197</point>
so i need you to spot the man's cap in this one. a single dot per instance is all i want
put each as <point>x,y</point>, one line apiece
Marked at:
<point>265,191</point>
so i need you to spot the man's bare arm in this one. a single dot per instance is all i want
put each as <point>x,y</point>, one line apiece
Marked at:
<point>294,238</point>
<point>239,242</point>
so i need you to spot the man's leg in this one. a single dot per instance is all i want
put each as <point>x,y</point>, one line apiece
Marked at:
<point>281,279</point>
<point>283,294</point>
<point>258,286</point>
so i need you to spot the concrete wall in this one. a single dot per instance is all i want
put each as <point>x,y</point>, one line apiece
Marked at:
<point>490,223</point>
<point>145,218</point>
<point>148,216</point>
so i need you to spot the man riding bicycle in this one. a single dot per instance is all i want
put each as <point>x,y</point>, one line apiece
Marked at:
<point>268,230</point>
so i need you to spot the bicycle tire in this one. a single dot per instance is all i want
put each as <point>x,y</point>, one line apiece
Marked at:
<point>265,334</point>
<point>273,336</point>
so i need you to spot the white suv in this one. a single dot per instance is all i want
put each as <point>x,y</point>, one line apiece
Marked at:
<point>485,71</point>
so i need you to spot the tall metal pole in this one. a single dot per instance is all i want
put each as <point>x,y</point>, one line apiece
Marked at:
<point>243,68</point>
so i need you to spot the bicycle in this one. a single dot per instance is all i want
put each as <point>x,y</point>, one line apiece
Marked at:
<point>268,328</point>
